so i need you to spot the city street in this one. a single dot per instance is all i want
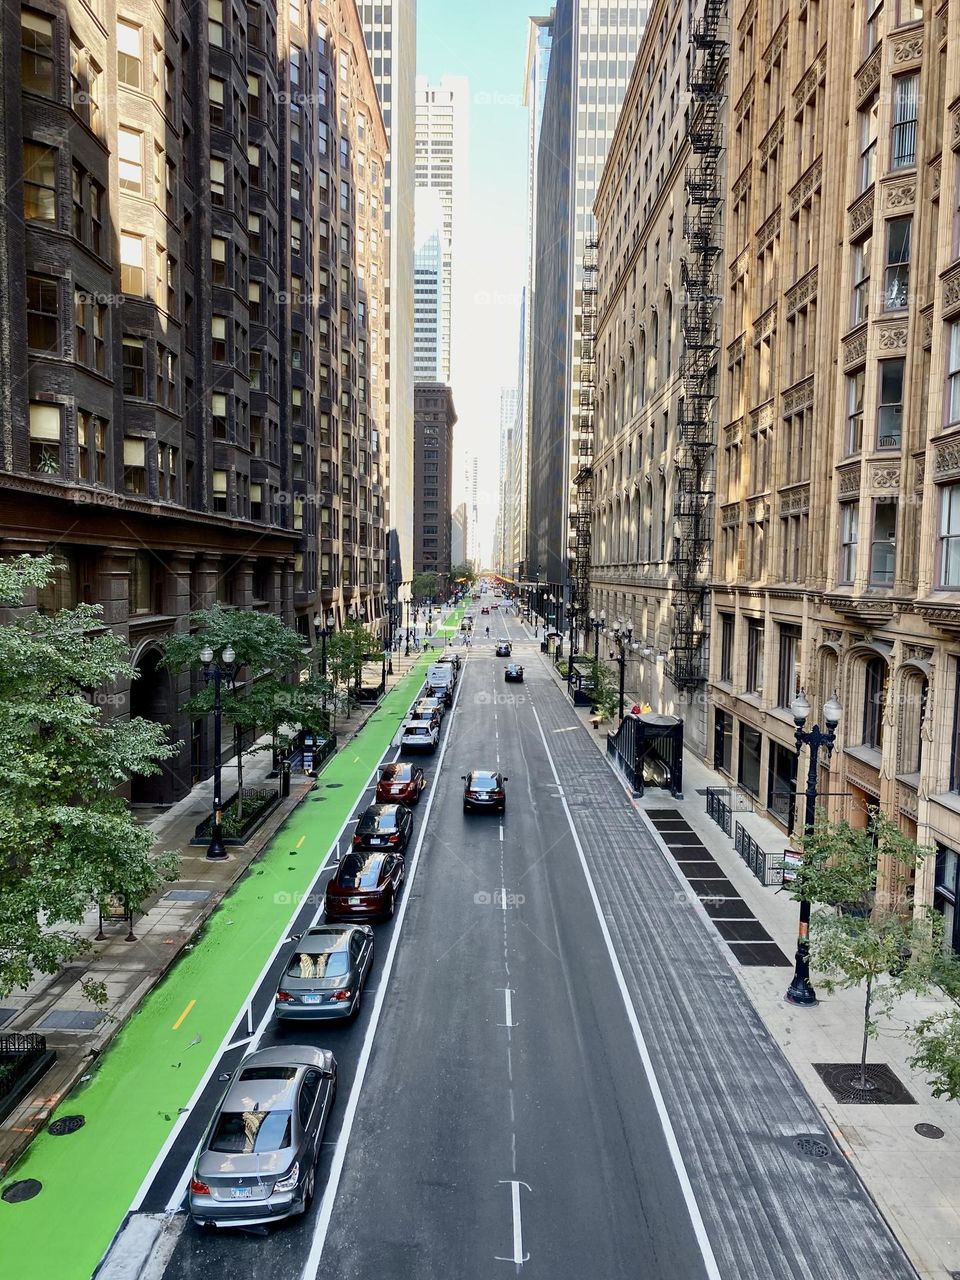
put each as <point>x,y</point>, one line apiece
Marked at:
<point>559,1068</point>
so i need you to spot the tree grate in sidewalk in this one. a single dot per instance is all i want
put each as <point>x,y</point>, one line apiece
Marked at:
<point>759,954</point>
<point>70,1020</point>
<point>883,1087</point>
<point>186,895</point>
<point>742,931</point>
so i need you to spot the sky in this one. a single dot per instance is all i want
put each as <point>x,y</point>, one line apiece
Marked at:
<point>487,44</point>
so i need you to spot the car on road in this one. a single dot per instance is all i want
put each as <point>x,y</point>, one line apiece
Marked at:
<point>483,790</point>
<point>325,974</point>
<point>495,605</point>
<point>424,715</point>
<point>429,704</point>
<point>419,737</point>
<point>504,649</point>
<point>452,659</point>
<point>513,672</point>
<point>258,1158</point>
<point>383,826</point>
<point>485,608</point>
<point>365,885</point>
<point>400,783</point>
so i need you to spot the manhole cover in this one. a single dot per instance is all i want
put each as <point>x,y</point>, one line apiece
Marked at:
<point>66,1124</point>
<point>844,1081</point>
<point>808,1144</point>
<point>318,799</point>
<point>18,1191</point>
<point>930,1131</point>
<point>333,785</point>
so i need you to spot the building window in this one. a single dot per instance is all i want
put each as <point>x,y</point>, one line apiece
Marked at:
<point>39,182</point>
<point>903,142</point>
<point>218,182</point>
<point>874,698</point>
<point>727,634</point>
<point>950,536</point>
<point>129,55</point>
<point>723,742</point>
<point>218,260</point>
<point>946,890</point>
<point>868,117</point>
<point>46,438</point>
<point>130,148</point>
<point>781,782</point>
<point>788,673</point>
<point>909,11</point>
<point>883,547</point>
<point>874,14</point>
<point>755,655</point>
<point>955,737</point>
<point>890,407</point>
<point>215,90</point>
<point>855,384</point>
<point>43,315</point>
<point>861,279</point>
<point>132,267</point>
<point>748,764</point>
<point>37,59</point>
<point>218,327</point>
<point>134,465</point>
<point>218,414</point>
<point>849,532</point>
<point>215,23</point>
<point>896,282</point>
<point>953,374</point>
<point>134,368</point>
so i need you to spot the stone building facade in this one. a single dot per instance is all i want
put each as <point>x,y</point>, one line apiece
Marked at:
<point>191,396</point>
<point>839,471</point>
<point>434,419</point>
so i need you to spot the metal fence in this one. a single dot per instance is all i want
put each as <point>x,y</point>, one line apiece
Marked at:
<point>767,867</point>
<point>18,1056</point>
<point>718,807</point>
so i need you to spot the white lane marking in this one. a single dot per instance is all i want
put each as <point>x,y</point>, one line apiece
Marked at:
<point>501,833</point>
<point>689,1196</point>
<point>508,1001</point>
<point>503,896</point>
<point>322,1228</point>
<point>250,1018</point>
<point>519,1257</point>
<point>225,1043</point>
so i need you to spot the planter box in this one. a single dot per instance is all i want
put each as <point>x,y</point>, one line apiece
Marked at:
<point>30,1059</point>
<point>201,834</point>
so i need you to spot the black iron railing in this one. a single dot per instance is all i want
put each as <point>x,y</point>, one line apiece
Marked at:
<point>718,807</point>
<point>767,867</point>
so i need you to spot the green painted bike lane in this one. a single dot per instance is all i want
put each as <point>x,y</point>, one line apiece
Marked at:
<point>153,1067</point>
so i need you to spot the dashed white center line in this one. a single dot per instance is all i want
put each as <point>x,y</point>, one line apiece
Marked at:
<point>519,1257</point>
<point>508,1002</point>
<point>501,833</point>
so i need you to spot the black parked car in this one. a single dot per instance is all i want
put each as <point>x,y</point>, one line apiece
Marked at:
<point>513,671</point>
<point>483,789</point>
<point>504,649</point>
<point>384,826</point>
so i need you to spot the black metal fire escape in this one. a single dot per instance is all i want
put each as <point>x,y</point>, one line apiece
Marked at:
<point>583,479</point>
<point>695,457</point>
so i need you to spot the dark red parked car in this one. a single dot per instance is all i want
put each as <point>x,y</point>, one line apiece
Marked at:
<point>400,783</point>
<point>365,886</point>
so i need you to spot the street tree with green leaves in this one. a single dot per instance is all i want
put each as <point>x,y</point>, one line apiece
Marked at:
<point>67,839</point>
<point>347,650</point>
<point>425,587</point>
<point>603,692</point>
<point>859,938</point>
<point>463,574</point>
<point>269,697</point>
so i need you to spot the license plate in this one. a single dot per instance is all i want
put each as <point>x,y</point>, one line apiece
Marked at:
<point>241,1193</point>
<point>354,902</point>
<point>376,840</point>
<point>311,999</point>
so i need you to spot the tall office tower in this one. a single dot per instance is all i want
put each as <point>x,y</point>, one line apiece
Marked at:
<point>657,331</point>
<point>474,549</point>
<point>539,40</point>
<point>194,290</point>
<point>390,27</point>
<point>441,166</point>
<point>503,533</point>
<point>458,534</point>
<point>428,287</point>
<point>838,478</point>
<point>592,51</point>
<point>434,421</point>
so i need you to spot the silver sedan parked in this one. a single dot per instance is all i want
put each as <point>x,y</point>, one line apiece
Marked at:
<point>257,1160</point>
<point>325,974</point>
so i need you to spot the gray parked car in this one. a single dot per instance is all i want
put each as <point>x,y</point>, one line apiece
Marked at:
<point>257,1160</point>
<point>325,974</point>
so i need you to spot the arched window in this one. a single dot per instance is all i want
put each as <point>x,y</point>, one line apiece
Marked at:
<point>637,524</point>
<point>874,698</point>
<point>640,383</point>
<point>654,350</point>
<point>669,333</point>
<point>614,407</point>
<point>617,533</point>
<point>648,521</point>
<point>913,710</point>
<point>631,398</point>
<point>663,519</point>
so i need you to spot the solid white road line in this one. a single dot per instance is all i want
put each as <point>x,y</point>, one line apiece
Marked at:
<point>519,1257</point>
<point>322,1226</point>
<point>686,1187</point>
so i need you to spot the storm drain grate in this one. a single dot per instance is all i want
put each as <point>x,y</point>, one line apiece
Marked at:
<point>26,1189</point>
<point>65,1125</point>
<point>333,785</point>
<point>929,1131</point>
<point>883,1087</point>
<point>808,1144</point>
<point>187,895</point>
<point>70,1020</point>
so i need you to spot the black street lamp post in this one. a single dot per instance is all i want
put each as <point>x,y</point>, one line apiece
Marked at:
<point>572,619</point>
<point>622,636</point>
<point>323,627</point>
<point>800,992</point>
<point>225,669</point>
<point>597,624</point>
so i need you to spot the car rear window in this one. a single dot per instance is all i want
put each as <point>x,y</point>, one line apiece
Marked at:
<point>326,964</point>
<point>246,1132</point>
<point>483,782</point>
<point>268,1073</point>
<point>397,773</point>
<point>357,872</point>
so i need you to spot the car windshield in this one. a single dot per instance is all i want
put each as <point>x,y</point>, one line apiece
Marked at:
<point>357,872</point>
<point>483,782</point>
<point>397,773</point>
<point>246,1132</point>
<point>418,730</point>
<point>324,964</point>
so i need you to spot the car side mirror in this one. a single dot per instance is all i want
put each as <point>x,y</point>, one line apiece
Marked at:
<point>505,778</point>
<point>463,777</point>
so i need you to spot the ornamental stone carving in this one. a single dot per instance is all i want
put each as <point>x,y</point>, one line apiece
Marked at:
<point>732,432</point>
<point>808,85</point>
<point>950,297</point>
<point>746,99</point>
<point>765,324</point>
<point>894,339</point>
<point>855,348</point>
<point>900,196</point>
<point>861,214</point>
<point>869,77</point>
<point>758,510</point>
<point>918,475</point>
<point>926,328</point>
<point>802,291</point>
<point>935,179</point>
<point>863,775</point>
<point>946,463</point>
<point>808,184</point>
<point>769,229</point>
<point>798,397</point>
<point>749,13</point>
<point>795,501</point>
<point>773,138</point>
<point>884,477</point>
<point>909,50</point>
<point>848,481</point>
<point>730,516</point>
<point>955,116</point>
<point>775,47</point>
<point>762,418</point>
<point>907,800</point>
<point>739,265</point>
<point>736,349</point>
<point>743,182</point>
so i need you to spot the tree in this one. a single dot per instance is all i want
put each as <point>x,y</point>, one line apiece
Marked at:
<point>268,652</point>
<point>605,697</point>
<point>346,651</point>
<point>859,937</point>
<point>463,574</point>
<point>424,586</point>
<point>67,839</point>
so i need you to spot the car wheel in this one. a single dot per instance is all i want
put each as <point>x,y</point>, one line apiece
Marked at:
<point>393,905</point>
<point>308,1191</point>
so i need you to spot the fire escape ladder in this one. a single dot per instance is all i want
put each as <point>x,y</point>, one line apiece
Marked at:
<point>583,516</point>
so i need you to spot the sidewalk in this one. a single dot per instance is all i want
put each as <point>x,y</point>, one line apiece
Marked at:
<point>914,1180</point>
<point>55,1005</point>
